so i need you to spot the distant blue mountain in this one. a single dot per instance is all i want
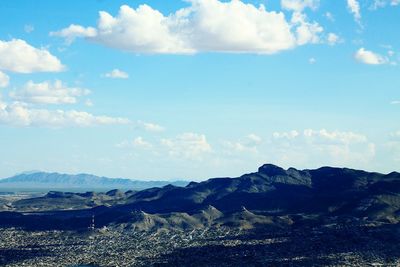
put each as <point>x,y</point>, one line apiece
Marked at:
<point>45,180</point>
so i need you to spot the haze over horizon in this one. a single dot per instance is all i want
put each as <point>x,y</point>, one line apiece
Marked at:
<point>198,89</point>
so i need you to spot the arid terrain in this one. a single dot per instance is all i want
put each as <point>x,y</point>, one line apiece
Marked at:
<point>273,217</point>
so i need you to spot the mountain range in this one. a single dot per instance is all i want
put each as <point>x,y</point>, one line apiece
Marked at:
<point>272,196</point>
<point>45,181</point>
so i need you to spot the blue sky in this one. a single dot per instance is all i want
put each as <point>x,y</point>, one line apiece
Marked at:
<point>198,89</point>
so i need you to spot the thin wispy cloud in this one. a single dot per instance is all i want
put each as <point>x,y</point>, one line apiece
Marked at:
<point>354,8</point>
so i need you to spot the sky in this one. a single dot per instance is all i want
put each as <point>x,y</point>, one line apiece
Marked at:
<point>194,89</point>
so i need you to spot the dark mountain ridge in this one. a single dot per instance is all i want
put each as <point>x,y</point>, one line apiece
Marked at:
<point>273,188</point>
<point>271,196</point>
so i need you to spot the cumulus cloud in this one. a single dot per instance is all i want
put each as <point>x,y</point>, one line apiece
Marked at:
<point>249,144</point>
<point>301,148</point>
<point>20,114</point>
<point>204,26</point>
<point>354,8</point>
<point>150,127</point>
<point>74,31</point>
<point>333,39</point>
<point>306,32</point>
<point>138,142</point>
<point>253,139</point>
<point>18,56</point>
<point>187,145</point>
<point>117,74</point>
<point>48,93</point>
<point>4,80</point>
<point>299,5</point>
<point>322,147</point>
<point>335,136</point>
<point>369,57</point>
<point>286,135</point>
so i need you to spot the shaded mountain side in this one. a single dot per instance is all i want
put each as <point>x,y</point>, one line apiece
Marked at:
<point>325,190</point>
<point>55,200</point>
<point>43,180</point>
<point>271,196</point>
<point>140,220</point>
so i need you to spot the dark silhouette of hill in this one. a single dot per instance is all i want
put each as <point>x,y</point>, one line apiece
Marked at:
<point>274,190</point>
<point>272,197</point>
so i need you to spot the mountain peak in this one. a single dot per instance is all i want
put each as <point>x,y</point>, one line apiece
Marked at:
<point>29,172</point>
<point>271,170</point>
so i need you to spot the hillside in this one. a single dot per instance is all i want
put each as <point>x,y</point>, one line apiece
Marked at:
<point>273,190</point>
<point>271,197</point>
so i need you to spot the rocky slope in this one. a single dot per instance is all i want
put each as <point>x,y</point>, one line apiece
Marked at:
<point>270,197</point>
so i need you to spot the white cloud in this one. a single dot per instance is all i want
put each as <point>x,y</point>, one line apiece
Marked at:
<point>299,5</point>
<point>140,142</point>
<point>322,147</point>
<point>187,145</point>
<point>253,139</point>
<point>28,28</point>
<point>312,60</point>
<point>335,136</point>
<point>395,134</point>
<point>369,57</point>
<point>333,39</point>
<point>206,25</point>
<point>18,56</point>
<point>48,93</point>
<point>395,102</point>
<point>322,136</point>
<point>330,16</point>
<point>89,103</point>
<point>306,32</point>
<point>74,31</point>
<point>20,114</point>
<point>354,7</point>
<point>288,135</point>
<point>150,127</point>
<point>395,2</point>
<point>383,3</point>
<point>4,80</point>
<point>249,144</point>
<point>117,74</point>
<point>393,146</point>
